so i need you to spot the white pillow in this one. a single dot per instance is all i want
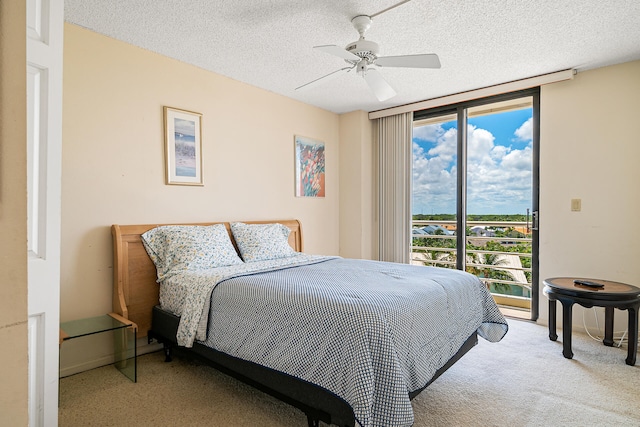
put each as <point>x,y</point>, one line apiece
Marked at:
<point>257,242</point>
<point>175,248</point>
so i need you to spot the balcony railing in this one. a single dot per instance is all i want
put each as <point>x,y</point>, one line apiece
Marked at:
<point>498,252</point>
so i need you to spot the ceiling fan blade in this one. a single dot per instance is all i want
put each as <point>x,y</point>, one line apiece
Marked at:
<point>381,89</point>
<point>428,60</point>
<point>338,51</point>
<point>324,78</point>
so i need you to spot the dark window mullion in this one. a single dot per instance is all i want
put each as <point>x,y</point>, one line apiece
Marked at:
<point>461,217</point>
<point>535,204</point>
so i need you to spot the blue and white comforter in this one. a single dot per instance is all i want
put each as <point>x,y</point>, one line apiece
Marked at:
<point>371,332</point>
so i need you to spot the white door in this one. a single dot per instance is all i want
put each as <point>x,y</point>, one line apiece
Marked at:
<point>45,21</point>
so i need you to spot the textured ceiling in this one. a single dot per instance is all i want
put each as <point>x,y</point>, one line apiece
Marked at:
<point>268,43</point>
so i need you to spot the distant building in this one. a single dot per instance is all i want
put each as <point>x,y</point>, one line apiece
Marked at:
<point>482,232</point>
<point>436,229</point>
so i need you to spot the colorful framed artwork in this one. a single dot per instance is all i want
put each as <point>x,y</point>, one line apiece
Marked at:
<point>309,167</point>
<point>183,146</point>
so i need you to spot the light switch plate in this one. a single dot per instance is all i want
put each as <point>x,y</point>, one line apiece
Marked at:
<point>576,205</point>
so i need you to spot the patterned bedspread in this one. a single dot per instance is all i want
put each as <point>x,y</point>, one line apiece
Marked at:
<point>371,332</point>
<point>187,293</point>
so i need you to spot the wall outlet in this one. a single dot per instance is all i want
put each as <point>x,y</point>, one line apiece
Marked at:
<point>576,205</point>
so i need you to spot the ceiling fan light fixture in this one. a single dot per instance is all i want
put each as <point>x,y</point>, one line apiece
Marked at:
<point>361,67</point>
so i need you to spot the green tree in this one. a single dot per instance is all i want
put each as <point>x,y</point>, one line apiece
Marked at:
<point>489,270</point>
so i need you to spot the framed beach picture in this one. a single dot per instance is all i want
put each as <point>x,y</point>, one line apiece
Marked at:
<point>183,146</point>
<point>309,167</point>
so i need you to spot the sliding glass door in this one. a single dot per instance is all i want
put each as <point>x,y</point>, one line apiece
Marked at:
<point>475,194</point>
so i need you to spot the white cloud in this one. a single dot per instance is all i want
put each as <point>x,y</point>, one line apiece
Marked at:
<point>480,143</point>
<point>429,133</point>
<point>518,160</point>
<point>499,151</point>
<point>446,145</point>
<point>525,131</point>
<point>498,177</point>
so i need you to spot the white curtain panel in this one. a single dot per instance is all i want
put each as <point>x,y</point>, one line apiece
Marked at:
<point>394,186</point>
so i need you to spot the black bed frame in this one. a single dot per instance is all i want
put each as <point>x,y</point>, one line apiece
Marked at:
<point>318,403</point>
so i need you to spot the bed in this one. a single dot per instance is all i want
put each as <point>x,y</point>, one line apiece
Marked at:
<point>235,322</point>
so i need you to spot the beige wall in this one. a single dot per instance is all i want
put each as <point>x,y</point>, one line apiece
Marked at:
<point>590,150</point>
<point>113,164</point>
<point>13,213</point>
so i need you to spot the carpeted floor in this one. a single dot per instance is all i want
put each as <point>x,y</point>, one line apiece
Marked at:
<point>521,381</point>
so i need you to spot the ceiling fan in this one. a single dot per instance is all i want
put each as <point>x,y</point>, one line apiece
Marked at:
<point>362,55</point>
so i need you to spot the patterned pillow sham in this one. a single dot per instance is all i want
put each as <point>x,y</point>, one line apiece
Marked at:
<point>174,248</point>
<point>257,242</point>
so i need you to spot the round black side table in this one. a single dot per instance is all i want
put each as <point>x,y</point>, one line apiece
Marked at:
<point>611,295</point>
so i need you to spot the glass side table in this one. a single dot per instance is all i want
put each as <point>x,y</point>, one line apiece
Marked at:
<point>125,334</point>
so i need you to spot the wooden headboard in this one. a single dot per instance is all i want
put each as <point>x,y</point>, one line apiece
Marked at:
<point>135,291</point>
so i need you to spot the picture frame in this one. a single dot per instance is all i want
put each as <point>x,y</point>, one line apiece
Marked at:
<point>309,167</point>
<point>183,147</point>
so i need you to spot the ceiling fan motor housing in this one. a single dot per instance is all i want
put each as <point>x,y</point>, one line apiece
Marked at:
<point>365,49</point>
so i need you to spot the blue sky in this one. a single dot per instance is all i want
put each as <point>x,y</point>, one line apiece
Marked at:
<point>499,165</point>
